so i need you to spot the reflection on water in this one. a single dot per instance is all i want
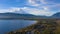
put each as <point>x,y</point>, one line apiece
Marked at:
<point>9,25</point>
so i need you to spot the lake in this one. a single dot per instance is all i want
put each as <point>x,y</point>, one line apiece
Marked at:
<point>11,25</point>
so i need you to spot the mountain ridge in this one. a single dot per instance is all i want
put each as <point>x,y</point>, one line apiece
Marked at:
<point>27,16</point>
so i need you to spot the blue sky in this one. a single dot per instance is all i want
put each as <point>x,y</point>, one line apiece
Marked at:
<point>36,7</point>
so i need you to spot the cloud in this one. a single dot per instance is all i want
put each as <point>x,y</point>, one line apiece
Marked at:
<point>43,3</point>
<point>3,10</point>
<point>37,11</point>
<point>12,9</point>
<point>27,10</point>
<point>41,7</point>
<point>33,3</point>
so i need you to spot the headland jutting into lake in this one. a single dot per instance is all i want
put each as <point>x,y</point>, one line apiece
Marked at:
<point>43,26</point>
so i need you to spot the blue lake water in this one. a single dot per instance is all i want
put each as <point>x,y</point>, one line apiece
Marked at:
<point>11,25</point>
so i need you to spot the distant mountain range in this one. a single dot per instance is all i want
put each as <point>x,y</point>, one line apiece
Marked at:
<point>57,15</point>
<point>26,16</point>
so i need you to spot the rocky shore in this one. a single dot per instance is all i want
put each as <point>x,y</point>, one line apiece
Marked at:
<point>41,27</point>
